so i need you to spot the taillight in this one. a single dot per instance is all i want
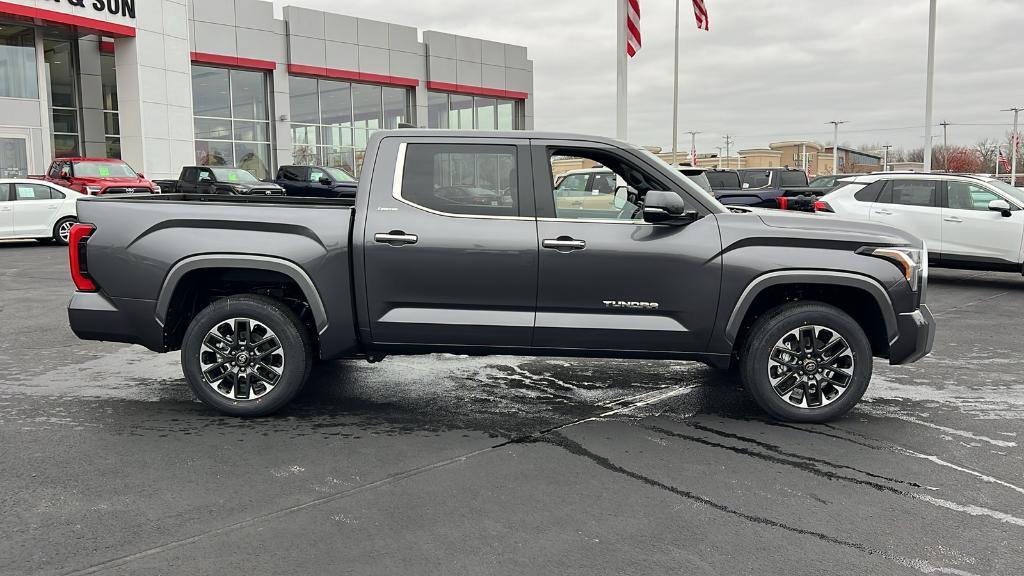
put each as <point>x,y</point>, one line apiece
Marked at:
<point>822,206</point>
<point>783,202</point>
<point>77,241</point>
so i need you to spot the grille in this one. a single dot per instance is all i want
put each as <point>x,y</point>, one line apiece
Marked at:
<point>127,190</point>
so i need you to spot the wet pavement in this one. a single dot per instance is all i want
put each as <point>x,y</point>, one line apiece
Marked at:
<point>500,465</point>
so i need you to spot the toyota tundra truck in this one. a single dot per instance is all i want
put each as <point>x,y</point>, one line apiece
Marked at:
<point>455,242</point>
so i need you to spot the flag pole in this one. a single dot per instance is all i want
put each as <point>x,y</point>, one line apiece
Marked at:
<point>929,82</point>
<point>675,95</point>
<point>620,75</point>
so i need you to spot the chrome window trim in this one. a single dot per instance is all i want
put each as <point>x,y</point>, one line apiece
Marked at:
<point>396,193</point>
<point>597,221</point>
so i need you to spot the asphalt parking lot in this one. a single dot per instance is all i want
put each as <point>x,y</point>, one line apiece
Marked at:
<point>500,465</point>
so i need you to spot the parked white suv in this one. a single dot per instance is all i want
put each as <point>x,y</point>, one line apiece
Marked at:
<point>37,209</point>
<point>974,222</point>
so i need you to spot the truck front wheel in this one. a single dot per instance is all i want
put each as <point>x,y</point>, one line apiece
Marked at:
<point>246,355</point>
<point>806,362</point>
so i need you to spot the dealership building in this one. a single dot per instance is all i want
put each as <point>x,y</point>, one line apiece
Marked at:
<point>169,83</point>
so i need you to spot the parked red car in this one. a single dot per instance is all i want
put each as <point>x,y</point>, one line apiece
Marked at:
<point>96,176</point>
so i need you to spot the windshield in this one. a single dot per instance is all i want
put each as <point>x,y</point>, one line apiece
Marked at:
<point>723,180</point>
<point>339,175</point>
<point>233,175</point>
<point>1015,193</point>
<point>756,178</point>
<point>696,191</point>
<point>104,170</point>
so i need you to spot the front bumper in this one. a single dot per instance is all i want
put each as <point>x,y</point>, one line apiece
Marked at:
<point>916,336</point>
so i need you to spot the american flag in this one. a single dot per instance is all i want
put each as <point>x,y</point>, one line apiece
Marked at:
<point>1004,164</point>
<point>701,13</point>
<point>693,157</point>
<point>632,27</point>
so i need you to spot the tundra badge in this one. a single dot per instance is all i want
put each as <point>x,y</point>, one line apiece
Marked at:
<point>630,304</point>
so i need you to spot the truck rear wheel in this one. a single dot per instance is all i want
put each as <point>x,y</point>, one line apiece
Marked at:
<point>246,355</point>
<point>806,362</point>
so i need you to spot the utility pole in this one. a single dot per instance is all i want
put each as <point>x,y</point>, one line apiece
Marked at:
<point>693,146</point>
<point>675,94</point>
<point>835,144</point>
<point>885,157</point>
<point>929,89</point>
<point>729,141</point>
<point>945,146</point>
<point>1014,142</point>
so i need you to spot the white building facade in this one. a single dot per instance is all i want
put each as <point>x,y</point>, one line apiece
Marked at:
<point>170,83</point>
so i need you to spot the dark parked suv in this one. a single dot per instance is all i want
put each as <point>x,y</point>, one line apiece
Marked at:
<point>458,242</point>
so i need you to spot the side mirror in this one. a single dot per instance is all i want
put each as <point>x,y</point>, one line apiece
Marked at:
<point>140,175</point>
<point>324,180</point>
<point>1001,206</point>
<point>667,208</point>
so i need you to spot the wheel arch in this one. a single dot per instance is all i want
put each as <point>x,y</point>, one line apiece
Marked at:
<point>241,262</point>
<point>783,283</point>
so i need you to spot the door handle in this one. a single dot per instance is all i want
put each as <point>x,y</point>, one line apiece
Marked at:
<point>883,212</point>
<point>396,238</point>
<point>952,219</point>
<point>52,206</point>
<point>564,244</point>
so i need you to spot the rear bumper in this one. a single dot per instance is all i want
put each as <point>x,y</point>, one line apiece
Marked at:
<point>916,336</point>
<point>93,316</point>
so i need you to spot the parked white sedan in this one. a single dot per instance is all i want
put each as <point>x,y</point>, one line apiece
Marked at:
<point>37,209</point>
<point>974,222</point>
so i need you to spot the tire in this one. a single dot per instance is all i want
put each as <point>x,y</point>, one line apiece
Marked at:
<point>244,388</point>
<point>815,396</point>
<point>62,230</point>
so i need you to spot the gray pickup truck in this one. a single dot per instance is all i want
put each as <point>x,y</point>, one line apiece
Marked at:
<point>455,242</point>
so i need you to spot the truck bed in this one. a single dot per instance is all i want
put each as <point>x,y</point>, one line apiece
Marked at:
<point>239,199</point>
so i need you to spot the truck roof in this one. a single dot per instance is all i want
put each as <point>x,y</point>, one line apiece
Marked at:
<point>519,134</point>
<point>87,159</point>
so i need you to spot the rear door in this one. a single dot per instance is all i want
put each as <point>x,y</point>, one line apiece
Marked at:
<point>610,281</point>
<point>34,209</point>
<point>450,245</point>
<point>973,233</point>
<point>6,211</point>
<point>911,205</point>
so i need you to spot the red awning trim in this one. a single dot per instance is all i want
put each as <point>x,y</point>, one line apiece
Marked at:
<point>43,16</point>
<point>477,90</point>
<point>233,61</point>
<point>340,74</point>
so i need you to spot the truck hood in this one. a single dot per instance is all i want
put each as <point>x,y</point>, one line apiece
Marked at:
<point>827,227</point>
<point>97,181</point>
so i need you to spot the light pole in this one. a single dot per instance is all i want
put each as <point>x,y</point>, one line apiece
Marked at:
<point>729,140</point>
<point>675,93</point>
<point>1014,140</point>
<point>929,84</point>
<point>835,144</point>
<point>885,157</point>
<point>945,146</point>
<point>719,157</point>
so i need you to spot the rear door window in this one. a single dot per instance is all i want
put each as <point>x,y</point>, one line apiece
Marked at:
<point>603,183</point>
<point>31,192</point>
<point>911,193</point>
<point>463,179</point>
<point>756,179</point>
<point>793,178</point>
<point>870,192</point>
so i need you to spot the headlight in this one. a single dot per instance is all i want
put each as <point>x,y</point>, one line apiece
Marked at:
<point>156,189</point>
<point>93,190</point>
<point>913,262</point>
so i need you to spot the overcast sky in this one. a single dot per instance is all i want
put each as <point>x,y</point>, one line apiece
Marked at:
<point>767,70</point>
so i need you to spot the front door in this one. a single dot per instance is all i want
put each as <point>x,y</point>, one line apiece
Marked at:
<point>911,205</point>
<point>450,246</point>
<point>610,281</point>
<point>973,233</point>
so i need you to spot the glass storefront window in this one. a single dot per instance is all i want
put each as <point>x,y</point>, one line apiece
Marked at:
<point>461,115</point>
<point>112,128</point>
<point>333,119</point>
<point>485,113</point>
<point>232,119</point>
<point>396,107</point>
<point>466,112</point>
<point>59,56</point>
<point>18,62</point>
